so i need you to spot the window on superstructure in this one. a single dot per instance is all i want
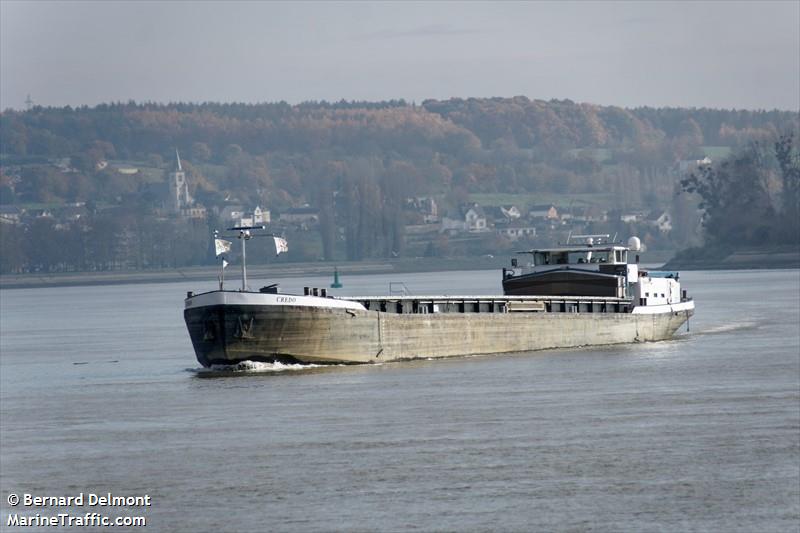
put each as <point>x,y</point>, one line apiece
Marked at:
<point>541,258</point>
<point>598,257</point>
<point>579,257</point>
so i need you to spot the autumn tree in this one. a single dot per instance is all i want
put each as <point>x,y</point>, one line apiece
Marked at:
<point>736,204</point>
<point>788,156</point>
<point>200,152</point>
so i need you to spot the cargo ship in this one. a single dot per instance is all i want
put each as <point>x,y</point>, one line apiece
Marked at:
<point>583,294</point>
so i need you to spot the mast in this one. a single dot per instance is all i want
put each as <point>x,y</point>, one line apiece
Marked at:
<point>244,236</point>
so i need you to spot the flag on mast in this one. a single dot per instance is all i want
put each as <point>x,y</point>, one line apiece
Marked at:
<point>222,246</point>
<point>280,245</point>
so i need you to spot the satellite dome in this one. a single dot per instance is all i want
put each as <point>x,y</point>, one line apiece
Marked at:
<point>634,244</point>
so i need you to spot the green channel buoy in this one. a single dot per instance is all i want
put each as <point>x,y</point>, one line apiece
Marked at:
<point>336,283</point>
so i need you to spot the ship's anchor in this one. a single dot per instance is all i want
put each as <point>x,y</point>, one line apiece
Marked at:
<point>244,328</point>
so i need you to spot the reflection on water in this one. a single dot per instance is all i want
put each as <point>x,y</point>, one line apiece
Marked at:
<point>728,328</point>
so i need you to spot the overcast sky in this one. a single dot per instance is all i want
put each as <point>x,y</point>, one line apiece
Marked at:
<point>714,54</point>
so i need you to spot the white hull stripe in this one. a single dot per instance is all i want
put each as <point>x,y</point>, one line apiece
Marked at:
<point>265,299</point>
<point>667,308</point>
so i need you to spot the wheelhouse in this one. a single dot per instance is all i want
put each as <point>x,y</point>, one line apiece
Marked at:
<point>615,255</point>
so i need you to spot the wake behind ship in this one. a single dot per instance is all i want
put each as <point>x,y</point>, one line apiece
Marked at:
<point>573,295</point>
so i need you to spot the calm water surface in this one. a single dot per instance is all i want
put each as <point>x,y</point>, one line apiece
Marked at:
<point>100,392</point>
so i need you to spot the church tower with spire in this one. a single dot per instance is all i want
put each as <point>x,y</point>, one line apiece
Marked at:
<point>178,187</point>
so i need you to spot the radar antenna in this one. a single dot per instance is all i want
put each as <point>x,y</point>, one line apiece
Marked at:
<point>599,238</point>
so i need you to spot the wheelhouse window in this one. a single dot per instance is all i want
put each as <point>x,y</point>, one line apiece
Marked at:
<point>589,256</point>
<point>575,257</point>
<point>541,258</point>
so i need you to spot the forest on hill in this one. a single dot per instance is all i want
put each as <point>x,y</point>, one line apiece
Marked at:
<point>357,163</point>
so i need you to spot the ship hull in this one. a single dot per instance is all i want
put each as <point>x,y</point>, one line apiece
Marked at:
<point>228,332</point>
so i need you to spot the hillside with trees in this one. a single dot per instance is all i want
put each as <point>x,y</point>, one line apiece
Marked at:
<point>749,200</point>
<point>81,186</point>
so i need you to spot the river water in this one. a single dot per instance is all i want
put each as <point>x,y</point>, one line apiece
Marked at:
<point>100,392</point>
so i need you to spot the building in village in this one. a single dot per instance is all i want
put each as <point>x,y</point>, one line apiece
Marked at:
<point>172,198</point>
<point>179,197</point>
<point>502,214</point>
<point>471,219</point>
<point>236,215</point>
<point>302,217</point>
<point>543,212</point>
<point>10,214</point>
<point>425,206</point>
<point>516,230</point>
<point>660,220</point>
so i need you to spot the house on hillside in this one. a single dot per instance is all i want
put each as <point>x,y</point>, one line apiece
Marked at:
<point>302,217</point>
<point>471,218</point>
<point>475,218</point>
<point>10,214</point>
<point>661,220</point>
<point>687,165</point>
<point>64,164</point>
<point>503,214</point>
<point>232,213</point>
<point>511,212</point>
<point>261,216</point>
<point>426,206</point>
<point>631,217</point>
<point>516,230</point>
<point>587,214</point>
<point>543,212</point>
<point>238,216</point>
